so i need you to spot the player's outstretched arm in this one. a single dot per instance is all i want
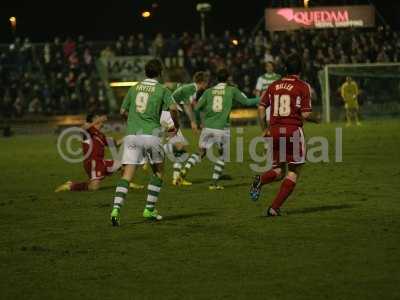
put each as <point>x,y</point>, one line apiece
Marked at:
<point>201,104</point>
<point>242,99</point>
<point>98,121</point>
<point>126,103</point>
<point>253,101</point>
<point>189,112</point>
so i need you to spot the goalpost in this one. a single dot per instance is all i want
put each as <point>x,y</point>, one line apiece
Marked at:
<point>379,89</point>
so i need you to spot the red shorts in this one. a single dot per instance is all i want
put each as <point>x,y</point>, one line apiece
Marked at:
<point>98,169</point>
<point>288,144</point>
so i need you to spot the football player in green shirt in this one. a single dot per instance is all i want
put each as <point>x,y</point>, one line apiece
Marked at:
<point>142,107</point>
<point>216,104</point>
<point>184,95</point>
<point>265,80</point>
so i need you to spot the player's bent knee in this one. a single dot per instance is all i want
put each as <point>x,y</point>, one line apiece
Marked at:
<point>129,172</point>
<point>292,176</point>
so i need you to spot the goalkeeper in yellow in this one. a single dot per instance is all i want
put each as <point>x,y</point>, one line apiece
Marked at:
<point>349,92</point>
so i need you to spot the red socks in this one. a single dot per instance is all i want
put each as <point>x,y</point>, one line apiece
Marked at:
<point>79,186</point>
<point>268,176</point>
<point>286,189</point>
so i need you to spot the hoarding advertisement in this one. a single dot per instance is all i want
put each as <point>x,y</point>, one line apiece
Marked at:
<point>279,19</point>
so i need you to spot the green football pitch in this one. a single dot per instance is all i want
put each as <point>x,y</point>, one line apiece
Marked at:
<point>339,238</point>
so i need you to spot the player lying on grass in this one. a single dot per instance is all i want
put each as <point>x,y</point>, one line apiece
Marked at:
<point>184,95</point>
<point>95,164</point>
<point>216,104</point>
<point>290,102</point>
<point>142,107</point>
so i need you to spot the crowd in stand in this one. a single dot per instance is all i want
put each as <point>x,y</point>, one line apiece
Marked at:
<point>61,77</point>
<point>52,78</point>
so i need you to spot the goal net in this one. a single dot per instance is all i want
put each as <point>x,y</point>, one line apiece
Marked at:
<point>378,87</point>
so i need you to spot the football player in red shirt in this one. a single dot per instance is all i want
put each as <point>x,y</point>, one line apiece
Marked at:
<point>96,166</point>
<point>290,101</point>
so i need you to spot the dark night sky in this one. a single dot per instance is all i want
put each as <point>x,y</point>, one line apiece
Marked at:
<point>99,20</point>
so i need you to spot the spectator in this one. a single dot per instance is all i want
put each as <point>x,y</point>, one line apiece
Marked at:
<point>158,45</point>
<point>64,77</point>
<point>107,53</point>
<point>382,56</point>
<point>18,107</point>
<point>142,45</point>
<point>268,56</point>
<point>73,60</point>
<point>35,107</point>
<point>7,106</point>
<point>69,47</point>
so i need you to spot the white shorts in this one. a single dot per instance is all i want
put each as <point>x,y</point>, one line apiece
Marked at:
<point>141,148</point>
<point>115,167</point>
<point>166,121</point>
<point>210,137</point>
<point>166,124</point>
<point>178,138</point>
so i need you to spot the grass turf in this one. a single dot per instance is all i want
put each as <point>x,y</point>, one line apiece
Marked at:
<point>339,240</point>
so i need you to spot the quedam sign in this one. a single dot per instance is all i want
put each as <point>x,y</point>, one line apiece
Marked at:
<point>278,19</point>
